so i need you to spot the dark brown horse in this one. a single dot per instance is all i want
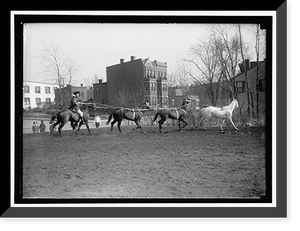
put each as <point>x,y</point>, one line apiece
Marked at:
<point>172,113</point>
<point>68,115</point>
<point>128,114</point>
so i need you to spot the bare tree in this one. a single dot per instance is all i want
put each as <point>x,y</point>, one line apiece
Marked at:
<point>228,54</point>
<point>124,96</point>
<point>72,69</point>
<point>180,75</point>
<point>206,62</point>
<point>88,82</point>
<point>248,89</point>
<point>60,69</point>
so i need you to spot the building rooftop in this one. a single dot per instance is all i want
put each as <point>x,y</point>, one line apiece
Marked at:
<point>30,81</point>
<point>144,61</point>
<point>155,63</point>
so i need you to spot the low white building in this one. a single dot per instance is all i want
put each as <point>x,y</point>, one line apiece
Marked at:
<point>38,95</point>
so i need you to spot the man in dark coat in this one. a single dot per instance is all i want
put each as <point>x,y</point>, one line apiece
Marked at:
<point>75,105</point>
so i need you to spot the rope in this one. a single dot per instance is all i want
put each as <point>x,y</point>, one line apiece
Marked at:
<point>114,107</point>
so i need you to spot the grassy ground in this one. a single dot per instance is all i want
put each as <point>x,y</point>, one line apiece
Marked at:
<point>192,164</point>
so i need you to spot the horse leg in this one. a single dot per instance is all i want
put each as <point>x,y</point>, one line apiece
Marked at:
<point>79,125</point>
<point>112,125</point>
<point>88,127</point>
<point>201,122</point>
<point>61,126</point>
<point>54,125</point>
<point>230,119</point>
<point>119,125</point>
<point>160,123</point>
<point>74,126</point>
<point>185,123</point>
<point>138,123</point>
<point>179,125</point>
<point>220,124</point>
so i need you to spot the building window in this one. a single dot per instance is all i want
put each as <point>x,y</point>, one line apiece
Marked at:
<point>27,101</point>
<point>26,89</point>
<point>240,86</point>
<point>48,100</point>
<point>164,87</point>
<point>262,85</point>
<point>165,100</point>
<point>153,100</point>
<point>148,73</point>
<point>47,90</point>
<point>152,74</point>
<point>38,101</point>
<point>37,89</point>
<point>147,86</point>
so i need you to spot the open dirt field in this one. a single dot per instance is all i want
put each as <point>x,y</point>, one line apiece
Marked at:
<point>191,164</point>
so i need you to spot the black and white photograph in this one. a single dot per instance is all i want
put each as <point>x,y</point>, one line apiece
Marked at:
<point>145,110</point>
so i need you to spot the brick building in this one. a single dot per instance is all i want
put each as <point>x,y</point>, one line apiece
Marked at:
<point>66,92</point>
<point>131,83</point>
<point>100,92</point>
<point>256,75</point>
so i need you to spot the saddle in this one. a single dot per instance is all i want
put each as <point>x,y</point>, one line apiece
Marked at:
<point>74,110</point>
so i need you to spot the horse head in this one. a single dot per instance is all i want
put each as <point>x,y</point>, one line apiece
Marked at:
<point>236,105</point>
<point>186,101</point>
<point>90,104</point>
<point>145,105</point>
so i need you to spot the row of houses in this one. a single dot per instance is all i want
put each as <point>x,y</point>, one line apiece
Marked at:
<point>130,83</point>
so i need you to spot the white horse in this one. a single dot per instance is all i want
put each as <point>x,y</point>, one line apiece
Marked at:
<point>220,113</point>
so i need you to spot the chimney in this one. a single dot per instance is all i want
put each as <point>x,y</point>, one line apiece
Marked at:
<point>81,85</point>
<point>132,58</point>
<point>121,60</point>
<point>247,64</point>
<point>100,80</point>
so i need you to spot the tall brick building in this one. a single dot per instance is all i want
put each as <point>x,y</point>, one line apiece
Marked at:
<point>131,83</point>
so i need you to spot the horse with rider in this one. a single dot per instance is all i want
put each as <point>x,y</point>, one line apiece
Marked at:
<point>77,114</point>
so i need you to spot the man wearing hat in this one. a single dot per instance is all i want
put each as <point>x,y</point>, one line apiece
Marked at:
<point>75,105</point>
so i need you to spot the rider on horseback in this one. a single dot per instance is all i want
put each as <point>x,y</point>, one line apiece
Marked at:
<point>75,105</point>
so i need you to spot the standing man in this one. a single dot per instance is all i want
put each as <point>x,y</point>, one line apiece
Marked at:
<point>97,121</point>
<point>42,126</point>
<point>75,105</point>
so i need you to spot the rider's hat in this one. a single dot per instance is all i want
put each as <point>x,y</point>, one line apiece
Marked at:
<point>76,92</point>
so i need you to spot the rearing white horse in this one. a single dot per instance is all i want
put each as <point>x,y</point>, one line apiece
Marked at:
<point>221,113</point>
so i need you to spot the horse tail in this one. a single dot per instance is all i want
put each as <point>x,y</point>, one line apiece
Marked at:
<point>109,118</point>
<point>200,112</point>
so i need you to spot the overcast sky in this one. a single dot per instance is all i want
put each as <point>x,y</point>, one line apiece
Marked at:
<point>96,46</point>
